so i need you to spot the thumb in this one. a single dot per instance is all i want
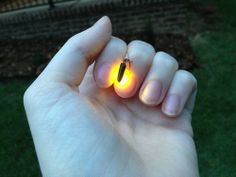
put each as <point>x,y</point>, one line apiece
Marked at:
<point>71,62</point>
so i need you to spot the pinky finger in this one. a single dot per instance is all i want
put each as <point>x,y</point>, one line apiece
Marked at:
<point>181,94</point>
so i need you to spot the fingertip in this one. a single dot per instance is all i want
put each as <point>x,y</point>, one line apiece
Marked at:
<point>123,93</point>
<point>150,92</point>
<point>104,22</point>
<point>126,88</point>
<point>172,105</point>
<point>180,91</point>
<point>107,63</point>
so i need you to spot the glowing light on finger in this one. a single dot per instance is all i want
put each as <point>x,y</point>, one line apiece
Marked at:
<point>126,80</point>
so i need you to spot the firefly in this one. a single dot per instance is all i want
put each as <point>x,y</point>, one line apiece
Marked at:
<point>126,62</point>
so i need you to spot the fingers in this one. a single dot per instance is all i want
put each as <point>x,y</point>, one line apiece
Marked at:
<point>157,76</point>
<point>70,63</point>
<point>158,80</point>
<point>114,51</point>
<point>141,55</point>
<point>164,85</point>
<point>181,91</point>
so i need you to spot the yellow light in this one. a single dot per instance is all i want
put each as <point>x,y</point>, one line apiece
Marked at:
<point>126,81</point>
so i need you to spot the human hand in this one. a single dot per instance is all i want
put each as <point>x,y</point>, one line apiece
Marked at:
<point>81,126</point>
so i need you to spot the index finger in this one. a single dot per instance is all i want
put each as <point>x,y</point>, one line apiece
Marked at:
<point>70,63</point>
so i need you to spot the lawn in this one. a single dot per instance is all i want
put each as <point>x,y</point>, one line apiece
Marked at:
<point>214,118</point>
<point>18,158</point>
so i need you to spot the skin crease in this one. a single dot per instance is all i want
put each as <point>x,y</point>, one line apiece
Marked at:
<point>82,130</point>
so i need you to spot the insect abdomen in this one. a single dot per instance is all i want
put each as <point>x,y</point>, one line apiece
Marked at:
<point>121,71</point>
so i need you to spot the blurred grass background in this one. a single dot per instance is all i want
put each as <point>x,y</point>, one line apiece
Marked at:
<point>214,118</point>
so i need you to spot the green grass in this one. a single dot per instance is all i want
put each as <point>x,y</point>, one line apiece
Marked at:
<point>214,118</point>
<point>18,158</point>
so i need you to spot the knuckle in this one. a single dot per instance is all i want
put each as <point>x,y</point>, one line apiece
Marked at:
<point>72,38</point>
<point>116,43</point>
<point>186,77</point>
<point>138,42</point>
<point>166,60</point>
<point>141,46</point>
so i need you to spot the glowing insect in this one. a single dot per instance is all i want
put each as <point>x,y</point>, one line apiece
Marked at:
<point>122,68</point>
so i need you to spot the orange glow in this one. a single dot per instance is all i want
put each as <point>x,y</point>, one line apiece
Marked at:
<point>125,81</point>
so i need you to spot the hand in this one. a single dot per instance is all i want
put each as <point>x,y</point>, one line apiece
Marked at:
<point>82,127</point>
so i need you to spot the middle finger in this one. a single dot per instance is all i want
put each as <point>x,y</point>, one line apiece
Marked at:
<point>141,55</point>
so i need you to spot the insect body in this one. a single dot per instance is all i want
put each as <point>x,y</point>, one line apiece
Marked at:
<point>122,68</point>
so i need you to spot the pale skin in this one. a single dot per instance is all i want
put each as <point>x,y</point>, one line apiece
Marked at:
<point>83,126</point>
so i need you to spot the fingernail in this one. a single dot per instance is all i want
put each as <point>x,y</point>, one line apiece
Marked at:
<point>152,92</point>
<point>172,105</point>
<point>102,75</point>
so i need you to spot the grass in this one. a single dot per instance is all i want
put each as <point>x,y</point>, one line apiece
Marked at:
<point>17,153</point>
<point>214,118</point>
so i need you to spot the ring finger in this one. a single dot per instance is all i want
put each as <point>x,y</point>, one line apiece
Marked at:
<point>158,79</point>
